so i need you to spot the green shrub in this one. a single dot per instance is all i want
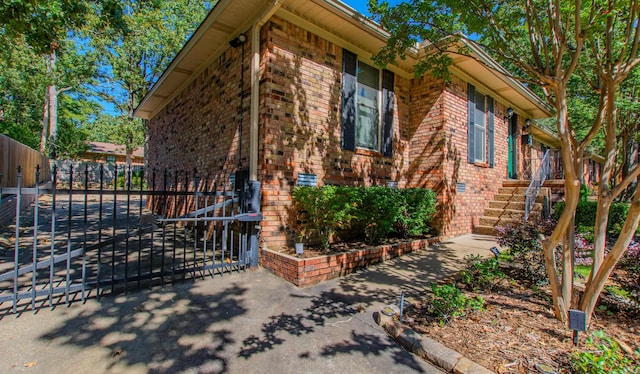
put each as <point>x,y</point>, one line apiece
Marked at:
<point>449,302</point>
<point>481,272</point>
<point>586,215</point>
<point>372,213</point>
<point>523,241</point>
<point>584,193</point>
<point>324,210</point>
<point>136,180</point>
<point>378,210</point>
<point>602,355</point>
<point>418,206</point>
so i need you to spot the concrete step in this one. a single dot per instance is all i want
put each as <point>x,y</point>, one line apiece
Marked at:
<point>512,190</point>
<point>484,230</point>
<point>515,183</point>
<point>499,221</point>
<point>509,197</point>
<point>506,205</point>
<point>515,198</point>
<point>507,213</point>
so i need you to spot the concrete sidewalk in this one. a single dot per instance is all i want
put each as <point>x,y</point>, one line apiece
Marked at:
<point>247,322</point>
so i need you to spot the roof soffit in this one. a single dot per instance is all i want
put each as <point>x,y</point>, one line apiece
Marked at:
<point>336,22</point>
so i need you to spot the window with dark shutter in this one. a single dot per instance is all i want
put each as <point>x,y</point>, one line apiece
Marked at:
<point>349,65</point>
<point>480,126</point>
<point>367,106</point>
<point>388,101</point>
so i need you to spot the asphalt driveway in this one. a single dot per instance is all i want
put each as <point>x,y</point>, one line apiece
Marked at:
<point>248,322</point>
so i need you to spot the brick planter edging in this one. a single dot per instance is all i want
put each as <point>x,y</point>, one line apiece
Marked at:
<point>307,271</point>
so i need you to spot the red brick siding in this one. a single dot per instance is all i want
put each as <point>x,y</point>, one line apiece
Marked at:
<point>306,272</point>
<point>301,130</point>
<point>199,128</point>
<point>461,211</point>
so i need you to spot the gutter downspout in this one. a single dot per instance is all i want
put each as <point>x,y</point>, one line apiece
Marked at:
<point>255,88</point>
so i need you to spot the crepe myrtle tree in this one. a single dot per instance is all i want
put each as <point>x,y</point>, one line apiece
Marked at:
<point>546,44</point>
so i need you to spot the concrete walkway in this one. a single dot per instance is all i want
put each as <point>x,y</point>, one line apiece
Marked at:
<point>241,323</point>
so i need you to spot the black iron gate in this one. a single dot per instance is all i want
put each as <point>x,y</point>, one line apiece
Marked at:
<point>111,230</point>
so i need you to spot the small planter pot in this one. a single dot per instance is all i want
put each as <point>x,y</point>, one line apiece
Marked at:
<point>299,249</point>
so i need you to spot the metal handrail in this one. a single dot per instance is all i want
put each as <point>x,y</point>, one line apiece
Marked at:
<point>536,184</point>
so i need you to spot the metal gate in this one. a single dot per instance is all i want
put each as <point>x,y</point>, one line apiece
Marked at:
<point>108,229</point>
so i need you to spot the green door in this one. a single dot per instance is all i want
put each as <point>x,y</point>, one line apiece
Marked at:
<point>512,169</point>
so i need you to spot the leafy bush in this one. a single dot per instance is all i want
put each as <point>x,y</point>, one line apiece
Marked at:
<point>584,193</point>
<point>136,180</point>
<point>586,215</point>
<point>449,302</point>
<point>481,272</point>
<point>602,355</point>
<point>419,205</point>
<point>378,210</point>
<point>523,241</point>
<point>373,213</point>
<point>325,210</point>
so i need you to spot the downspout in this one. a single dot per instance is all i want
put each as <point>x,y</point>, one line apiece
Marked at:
<point>255,88</point>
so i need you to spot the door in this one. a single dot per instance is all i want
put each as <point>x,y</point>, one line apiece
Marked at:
<point>512,166</point>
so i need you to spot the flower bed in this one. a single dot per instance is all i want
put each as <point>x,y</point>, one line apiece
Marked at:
<point>307,271</point>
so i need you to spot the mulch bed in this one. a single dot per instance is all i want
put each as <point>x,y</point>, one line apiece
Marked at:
<point>311,251</point>
<point>517,329</point>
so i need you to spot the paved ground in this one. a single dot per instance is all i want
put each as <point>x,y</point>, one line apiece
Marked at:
<point>240,323</point>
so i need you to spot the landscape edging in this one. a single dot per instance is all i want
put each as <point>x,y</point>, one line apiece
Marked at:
<point>435,352</point>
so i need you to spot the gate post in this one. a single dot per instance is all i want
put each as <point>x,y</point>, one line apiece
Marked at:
<point>254,207</point>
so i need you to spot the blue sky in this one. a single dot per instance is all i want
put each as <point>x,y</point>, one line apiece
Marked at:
<point>361,5</point>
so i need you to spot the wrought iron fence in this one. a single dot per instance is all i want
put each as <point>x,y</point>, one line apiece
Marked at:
<point>82,239</point>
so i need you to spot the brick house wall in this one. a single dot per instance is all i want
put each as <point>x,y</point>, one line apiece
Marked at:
<point>197,132</point>
<point>301,126</point>
<point>461,210</point>
<point>300,132</point>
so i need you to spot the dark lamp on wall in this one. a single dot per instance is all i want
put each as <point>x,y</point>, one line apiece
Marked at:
<point>527,139</point>
<point>238,41</point>
<point>510,112</point>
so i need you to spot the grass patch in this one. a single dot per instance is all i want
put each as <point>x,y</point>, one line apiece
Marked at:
<point>583,270</point>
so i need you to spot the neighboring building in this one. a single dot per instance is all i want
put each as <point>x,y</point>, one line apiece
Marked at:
<point>112,153</point>
<point>314,104</point>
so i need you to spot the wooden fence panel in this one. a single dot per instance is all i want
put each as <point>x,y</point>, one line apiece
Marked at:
<point>14,154</point>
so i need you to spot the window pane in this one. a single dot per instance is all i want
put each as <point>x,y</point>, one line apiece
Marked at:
<point>480,128</point>
<point>368,75</point>
<point>479,146</point>
<point>368,120</point>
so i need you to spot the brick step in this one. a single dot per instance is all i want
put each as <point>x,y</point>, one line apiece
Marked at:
<point>499,221</point>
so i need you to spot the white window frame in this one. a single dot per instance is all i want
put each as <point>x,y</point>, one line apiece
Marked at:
<point>377,146</point>
<point>483,128</point>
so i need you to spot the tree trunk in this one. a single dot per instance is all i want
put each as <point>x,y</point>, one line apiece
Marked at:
<point>53,106</point>
<point>596,284</point>
<point>562,301</point>
<point>45,123</point>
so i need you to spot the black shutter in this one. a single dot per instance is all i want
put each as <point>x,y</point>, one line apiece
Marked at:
<point>387,112</point>
<point>471,109</point>
<point>349,66</point>
<point>490,130</point>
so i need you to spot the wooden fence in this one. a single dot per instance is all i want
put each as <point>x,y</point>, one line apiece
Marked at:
<point>14,154</point>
